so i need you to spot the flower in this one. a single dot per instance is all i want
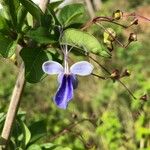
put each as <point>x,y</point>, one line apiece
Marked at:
<point>67,78</point>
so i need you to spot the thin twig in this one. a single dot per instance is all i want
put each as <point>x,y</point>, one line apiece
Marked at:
<point>106,70</point>
<point>101,77</point>
<point>126,88</point>
<point>69,128</point>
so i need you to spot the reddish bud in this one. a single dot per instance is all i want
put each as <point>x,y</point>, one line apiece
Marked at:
<point>144,97</point>
<point>115,74</point>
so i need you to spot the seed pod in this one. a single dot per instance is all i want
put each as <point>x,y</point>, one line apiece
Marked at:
<point>109,35</point>
<point>117,14</point>
<point>132,37</point>
<point>109,46</point>
<point>126,73</point>
<point>74,116</point>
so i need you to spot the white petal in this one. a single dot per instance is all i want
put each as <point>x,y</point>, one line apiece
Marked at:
<point>52,67</point>
<point>82,68</point>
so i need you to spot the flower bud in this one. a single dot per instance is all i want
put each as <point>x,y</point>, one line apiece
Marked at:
<point>74,116</point>
<point>117,14</point>
<point>134,22</point>
<point>115,74</point>
<point>132,37</point>
<point>126,73</point>
<point>144,97</point>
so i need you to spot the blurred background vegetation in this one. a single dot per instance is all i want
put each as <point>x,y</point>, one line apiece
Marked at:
<point>102,115</point>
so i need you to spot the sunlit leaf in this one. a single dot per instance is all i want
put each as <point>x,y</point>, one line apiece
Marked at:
<point>47,146</point>
<point>11,8</point>
<point>7,46</point>
<point>21,16</point>
<point>69,13</point>
<point>83,40</point>
<point>34,147</point>
<point>26,133</point>
<point>33,9</point>
<point>3,23</point>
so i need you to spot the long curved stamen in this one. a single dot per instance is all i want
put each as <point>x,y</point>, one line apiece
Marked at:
<point>66,66</point>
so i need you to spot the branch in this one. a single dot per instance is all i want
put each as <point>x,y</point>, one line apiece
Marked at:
<point>13,107</point>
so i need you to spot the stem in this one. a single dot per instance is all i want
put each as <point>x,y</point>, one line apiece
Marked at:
<point>16,97</point>
<point>101,77</point>
<point>69,128</point>
<point>13,107</point>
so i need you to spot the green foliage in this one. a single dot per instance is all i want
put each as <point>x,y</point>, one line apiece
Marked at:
<point>3,23</point>
<point>33,9</point>
<point>11,8</point>
<point>70,13</point>
<point>110,130</point>
<point>33,59</point>
<point>38,130</point>
<point>101,116</point>
<point>21,17</point>
<point>54,5</point>
<point>7,46</point>
<point>41,35</point>
<point>83,40</point>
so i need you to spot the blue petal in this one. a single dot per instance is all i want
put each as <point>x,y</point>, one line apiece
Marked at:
<point>64,93</point>
<point>73,79</point>
<point>82,68</point>
<point>52,67</point>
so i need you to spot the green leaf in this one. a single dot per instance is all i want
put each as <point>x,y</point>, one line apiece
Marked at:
<point>3,23</point>
<point>26,134</point>
<point>21,16</point>
<point>41,35</point>
<point>2,117</point>
<point>11,8</point>
<point>47,146</point>
<point>62,148</point>
<point>38,130</point>
<point>33,59</point>
<point>7,46</point>
<point>83,40</point>
<point>33,9</point>
<point>19,148</point>
<point>70,13</point>
<point>34,147</point>
<point>54,5</point>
